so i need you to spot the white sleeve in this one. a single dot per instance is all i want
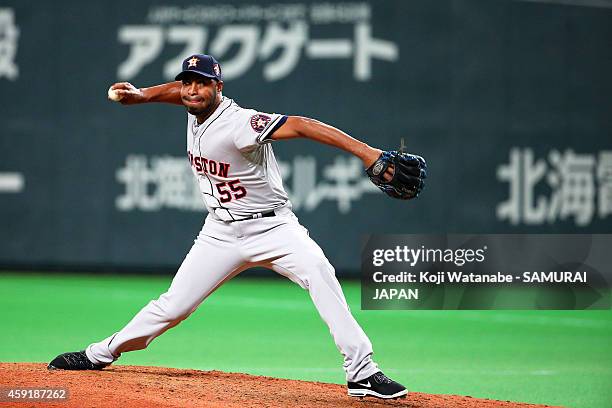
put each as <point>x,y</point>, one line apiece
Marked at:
<point>255,128</point>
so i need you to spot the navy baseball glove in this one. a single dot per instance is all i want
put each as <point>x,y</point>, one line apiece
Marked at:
<point>409,172</point>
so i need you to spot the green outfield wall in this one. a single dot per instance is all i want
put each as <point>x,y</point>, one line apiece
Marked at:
<point>509,101</point>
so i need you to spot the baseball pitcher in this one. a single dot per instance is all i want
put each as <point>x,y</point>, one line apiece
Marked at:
<point>250,222</point>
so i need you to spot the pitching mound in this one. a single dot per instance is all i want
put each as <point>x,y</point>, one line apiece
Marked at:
<point>146,387</point>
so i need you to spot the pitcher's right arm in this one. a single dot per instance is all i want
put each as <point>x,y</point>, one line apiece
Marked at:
<point>166,93</point>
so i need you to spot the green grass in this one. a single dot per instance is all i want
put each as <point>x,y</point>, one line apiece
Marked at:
<point>270,327</point>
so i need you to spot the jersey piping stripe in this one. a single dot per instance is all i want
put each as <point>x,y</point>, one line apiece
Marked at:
<point>271,128</point>
<point>200,153</point>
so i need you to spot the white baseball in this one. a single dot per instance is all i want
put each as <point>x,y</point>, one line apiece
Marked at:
<point>113,95</point>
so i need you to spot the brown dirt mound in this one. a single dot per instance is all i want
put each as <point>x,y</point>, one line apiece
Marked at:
<point>131,386</point>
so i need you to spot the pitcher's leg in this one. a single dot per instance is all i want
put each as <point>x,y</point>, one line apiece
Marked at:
<point>294,254</point>
<point>318,277</point>
<point>208,264</point>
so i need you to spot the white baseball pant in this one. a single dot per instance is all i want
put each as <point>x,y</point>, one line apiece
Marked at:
<point>220,252</point>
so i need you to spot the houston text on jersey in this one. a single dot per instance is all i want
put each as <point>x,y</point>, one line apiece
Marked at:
<point>204,165</point>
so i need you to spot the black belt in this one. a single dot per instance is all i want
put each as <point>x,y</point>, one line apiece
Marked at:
<point>258,215</point>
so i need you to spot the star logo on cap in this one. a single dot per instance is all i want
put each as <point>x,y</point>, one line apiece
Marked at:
<point>192,62</point>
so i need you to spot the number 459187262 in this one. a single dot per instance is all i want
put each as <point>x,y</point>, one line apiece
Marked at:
<point>230,190</point>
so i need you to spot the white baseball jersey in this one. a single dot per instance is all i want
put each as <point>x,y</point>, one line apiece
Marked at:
<point>233,162</point>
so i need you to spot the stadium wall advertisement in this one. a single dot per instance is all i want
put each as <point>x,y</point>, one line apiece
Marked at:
<point>509,102</point>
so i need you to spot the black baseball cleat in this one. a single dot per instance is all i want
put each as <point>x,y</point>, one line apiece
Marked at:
<point>74,361</point>
<point>377,385</point>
